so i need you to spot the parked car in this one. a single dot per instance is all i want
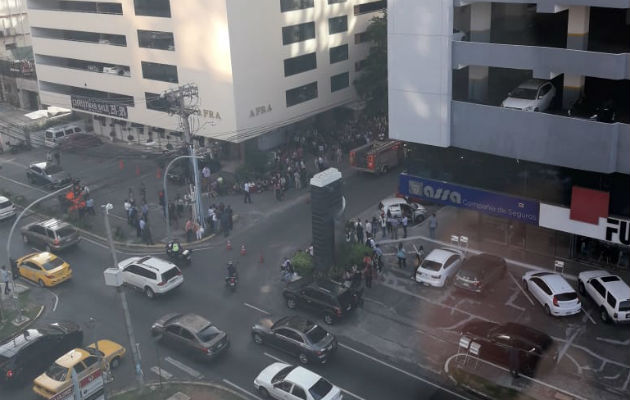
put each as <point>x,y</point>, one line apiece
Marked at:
<point>51,234</point>
<point>28,354</point>
<point>609,292</point>
<point>284,381</point>
<point>47,174</point>
<point>45,269</point>
<point>553,292</point>
<point>439,267</point>
<point>7,209</point>
<point>110,351</point>
<point>150,275</point>
<point>497,340</point>
<point>602,111</point>
<point>297,336</point>
<point>327,298</point>
<point>191,334</point>
<point>81,141</point>
<point>56,135</point>
<point>400,207</point>
<point>531,95</point>
<point>57,379</point>
<point>479,271</point>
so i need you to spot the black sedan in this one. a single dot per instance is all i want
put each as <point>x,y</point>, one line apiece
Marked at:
<point>297,336</point>
<point>480,271</point>
<point>534,348</point>
<point>191,334</point>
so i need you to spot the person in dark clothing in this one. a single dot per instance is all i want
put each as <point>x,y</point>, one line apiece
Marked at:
<point>359,228</point>
<point>230,221</point>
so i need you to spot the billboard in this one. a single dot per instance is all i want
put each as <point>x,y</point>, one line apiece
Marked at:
<point>99,106</point>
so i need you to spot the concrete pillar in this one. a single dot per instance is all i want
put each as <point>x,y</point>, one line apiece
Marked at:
<point>478,83</point>
<point>573,88</point>
<point>578,27</point>
<point>480,22</point>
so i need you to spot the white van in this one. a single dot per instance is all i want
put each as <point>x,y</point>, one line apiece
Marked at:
<point>56,135</point>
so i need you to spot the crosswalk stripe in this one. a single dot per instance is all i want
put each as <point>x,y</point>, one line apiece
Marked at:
<point>159,371</point>
<point>190,371</point>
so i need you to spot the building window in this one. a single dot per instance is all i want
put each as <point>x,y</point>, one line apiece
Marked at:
<point>156,103</point>
<point>79,36</point>
<point>337,24</point>
<point>298,64</point>
<point>361,37</point>
<point>370,7</point>
<point>92,66</point>
<point>339,53</point>
<point>159,72</point>
<point>359,65</point>
<point>153,8</point>
<point>301,94</point>
<point>338,82</point>
<point>156,40</point>
<point>290,5</point>
<point>336,1</point>
<point>298,33</point>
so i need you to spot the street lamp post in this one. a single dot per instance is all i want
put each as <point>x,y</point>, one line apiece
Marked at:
<point>123,300</point>
<point>168,220</point>
<point>20,318</point>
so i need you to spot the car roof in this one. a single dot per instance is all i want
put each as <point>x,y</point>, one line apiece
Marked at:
<point>192,322</point>
<point>532,83</point>
<point>391,201</point>
<point>330,286</point>
<point>303,377</point>
<point>479,262</point>
<point>155,263</point>
<point>556,282</point>
<point>440,255</point>
<point>71,358</point>
<point>53,224</point>
<point>619,289</point>
<point>11,347</point>
<point>41,258</point>
<point>298,323</point>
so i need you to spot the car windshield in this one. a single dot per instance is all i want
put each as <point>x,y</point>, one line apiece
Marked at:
<point>52,264</point>
<point>316,334</point>
<point>5,204</point>
<point>208,333</point>
<point>65,231</point>
<point>57,372</point>
<point>320,389</point>
<point>431,265</point>
<point>523,93</point>
<point>624,305</point>
<point>53,169</point>
<point>282,374</point>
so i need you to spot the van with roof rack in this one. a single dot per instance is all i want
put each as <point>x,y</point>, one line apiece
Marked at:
<point>609,292</point>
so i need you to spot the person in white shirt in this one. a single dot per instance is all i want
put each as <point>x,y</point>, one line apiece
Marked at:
<point>246,189</point>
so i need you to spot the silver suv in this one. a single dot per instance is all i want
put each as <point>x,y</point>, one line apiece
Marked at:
<point>609,292</point>
<point>150,274</point>
<point>51,234</point>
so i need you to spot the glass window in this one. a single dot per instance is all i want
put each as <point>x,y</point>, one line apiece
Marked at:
<point>298,33</point>
<point>336,1</point>
<point>338,82</point>
<point>57,372</point>
<point>320,389</point>
<point>174,329</point>
<point>284,386</point>
<point>89,361</point>
<point>337,24</point>
<point>79,367</point>
<point>298,392</point>
<point>598,287</point>
<point>159,72</point>
<point>187,335</point>
<point>543,286</point>
<point>298,64</point>
<point>290,5</point>
<point>301,94</point>
<point>156,40</point>
<point>360,37</point>
<point>52,264</point>
<point>156,103</point>
<point>611,300</point>
<point>339,53</point>
<point>370,7</point>
<point>153,8</point>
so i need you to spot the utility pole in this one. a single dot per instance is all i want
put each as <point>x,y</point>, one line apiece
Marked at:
<point>176,99</point>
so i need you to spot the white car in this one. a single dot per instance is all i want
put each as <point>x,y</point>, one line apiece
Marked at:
<point>7,209</point>
<point>553,292</point>
<point>150,275</point>
<point>288,382</point>
<point>531,95</point>
<point>609,292</point>
<point>439,267</point>
<point>399,207</point>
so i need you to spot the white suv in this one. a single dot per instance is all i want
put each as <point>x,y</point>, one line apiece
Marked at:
<point>150,274</point>
<point>531,95</point>
<point>609,292</point>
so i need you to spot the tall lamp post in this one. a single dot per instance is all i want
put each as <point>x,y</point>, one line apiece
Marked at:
<point>197,198</point>
<point>123,300</point>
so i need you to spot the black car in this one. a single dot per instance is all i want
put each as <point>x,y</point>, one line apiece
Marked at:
<point>191,334</point>
<point>327,298</point>
<point>297,336</point>
<point>602,111</point>
<point>535,348</point>
<point>28,354</point>
<point>49,175</point>
<point>479,271</point>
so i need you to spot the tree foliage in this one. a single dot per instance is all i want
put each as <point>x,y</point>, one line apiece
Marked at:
<point>371,84</point>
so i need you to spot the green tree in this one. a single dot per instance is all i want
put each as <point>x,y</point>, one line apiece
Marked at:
<point>371,84</point>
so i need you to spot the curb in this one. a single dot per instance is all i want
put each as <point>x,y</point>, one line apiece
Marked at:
<point>153,385</point>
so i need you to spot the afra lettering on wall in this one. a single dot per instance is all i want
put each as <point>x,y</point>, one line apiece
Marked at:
<point>618,231</point>
<point>254,112</point>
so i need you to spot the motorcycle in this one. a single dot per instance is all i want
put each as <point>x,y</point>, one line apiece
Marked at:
<point>182,257</point>
<point>231,281</point>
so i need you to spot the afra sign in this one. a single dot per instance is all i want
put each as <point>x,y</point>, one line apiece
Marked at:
<point>618,231</point>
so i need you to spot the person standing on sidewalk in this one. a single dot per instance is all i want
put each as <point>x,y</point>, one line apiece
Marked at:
<point>401,254</point>
<point>89,206</point>
<point>405,222</point>
<point>4,276</point>
<point>367,273</point>
<point>206,173</point>
<point>140,229</point>
<point>162,202</point>
<point>432,225</point>
<point>368,229</point>
<point>383,222</point>
<point>189,230</point>
<point>359,231</point>
<point>395,223</point>
<point>248,197</point>
<point>57,156</point>
<point>145,211</point>
<point>172,214</point>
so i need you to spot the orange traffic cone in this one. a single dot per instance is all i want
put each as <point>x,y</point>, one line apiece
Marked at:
<point>261,259</point>
<point>121,164</point>
<point>228,245</point>
<point>243,251</point>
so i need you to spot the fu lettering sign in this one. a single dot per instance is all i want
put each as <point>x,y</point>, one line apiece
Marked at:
<point>99,107</point>
<point>618,231</point>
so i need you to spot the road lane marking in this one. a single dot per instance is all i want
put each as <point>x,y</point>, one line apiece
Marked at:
<point>568,343</point>
<point>588,315</point>
<point>256,308</point>
<point>520,288</point>
<point>510,302</point>
<point>235,386</point>
<point>611,341</point>
<point>163,373</point>
<point>56,300</point>
<point>402,371</point>
<point>190,371</point>
<point>23,184</point>
<point>94,242</point>
<point>275,358</point>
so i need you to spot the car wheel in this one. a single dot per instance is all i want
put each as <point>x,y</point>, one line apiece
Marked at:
<point>604,315</point>
<point>114,363</point>
<point>41,283</point>
<point>581,288</point>
<point>328,319</point>
<point>547,310</point>
<point>148,292</point>
<point>263,392</point>
<point>257,338</point>
<point>291,303</point>
<point>25,238</point>
<point>303,358</point>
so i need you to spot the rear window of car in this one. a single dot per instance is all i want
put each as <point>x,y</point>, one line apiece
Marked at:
<point>624,305</point>
<point>5,204</point>
<point>168,275</point>
<point>208,333</point>
<point>52,264</point>
<point>320,389</point>
<point>52,169</point>
<point>566,296</point>
<point>66,231</point>
<point>431,265</point>
<point>316,334</point>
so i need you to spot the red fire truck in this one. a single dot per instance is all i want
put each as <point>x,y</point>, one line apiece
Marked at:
<point>377,157</point>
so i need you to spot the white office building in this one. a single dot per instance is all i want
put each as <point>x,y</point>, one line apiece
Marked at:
<point>259,65</point>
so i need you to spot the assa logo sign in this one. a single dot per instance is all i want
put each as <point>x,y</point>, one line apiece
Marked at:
<point>618,231</point>
<point>421,189</point>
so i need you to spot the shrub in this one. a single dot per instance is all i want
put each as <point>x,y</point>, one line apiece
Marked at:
<point>302,263</point>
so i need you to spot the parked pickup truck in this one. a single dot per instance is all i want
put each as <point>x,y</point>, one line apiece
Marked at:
<point>332,300</point>
<point>377,157</point>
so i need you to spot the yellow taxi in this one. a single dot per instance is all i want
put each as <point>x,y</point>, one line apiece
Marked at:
<point>111,352</point>
<point>46,269</point>
<point>56,382</point>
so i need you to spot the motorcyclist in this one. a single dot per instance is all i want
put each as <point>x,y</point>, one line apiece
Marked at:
<point>231,269</point>
<point>174,247</point>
